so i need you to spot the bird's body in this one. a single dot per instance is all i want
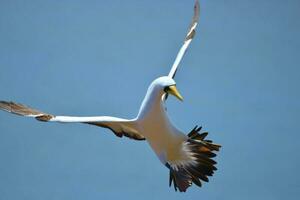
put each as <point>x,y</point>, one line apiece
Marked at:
<point>189,157</point>
<point>153,122</point>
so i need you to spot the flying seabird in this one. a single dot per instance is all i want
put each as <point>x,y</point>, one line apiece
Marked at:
<point>188,157</point>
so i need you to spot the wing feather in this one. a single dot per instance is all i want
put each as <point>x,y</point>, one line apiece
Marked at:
<point>188,39</point>
<point>120,127</point>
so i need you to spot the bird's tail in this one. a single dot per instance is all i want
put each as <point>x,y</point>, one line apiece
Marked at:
<point>201,165</point>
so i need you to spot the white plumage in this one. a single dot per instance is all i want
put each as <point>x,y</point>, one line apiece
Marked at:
<point>187,156</point>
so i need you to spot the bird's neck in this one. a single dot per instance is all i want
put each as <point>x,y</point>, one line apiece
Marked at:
<point>152,103</point>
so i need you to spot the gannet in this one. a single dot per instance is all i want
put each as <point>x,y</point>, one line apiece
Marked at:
<point>188,157</point>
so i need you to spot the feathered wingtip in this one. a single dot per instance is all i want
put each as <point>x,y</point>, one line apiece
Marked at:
<point>203,165</point>
<point>20,109</point>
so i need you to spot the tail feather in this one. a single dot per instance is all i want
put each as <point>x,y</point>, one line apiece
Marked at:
<point>202,152</point>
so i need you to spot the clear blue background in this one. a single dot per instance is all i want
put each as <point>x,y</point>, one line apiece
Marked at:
<point>240,80</point>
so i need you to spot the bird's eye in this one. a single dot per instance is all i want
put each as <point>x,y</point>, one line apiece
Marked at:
<point>166,89</point>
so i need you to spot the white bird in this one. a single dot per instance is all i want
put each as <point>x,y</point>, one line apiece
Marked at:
<point>188,157</point>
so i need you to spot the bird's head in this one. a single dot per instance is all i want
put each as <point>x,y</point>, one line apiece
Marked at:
<point>167,85</point>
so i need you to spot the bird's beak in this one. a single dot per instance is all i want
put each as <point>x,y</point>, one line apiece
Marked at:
<point>173,90</point>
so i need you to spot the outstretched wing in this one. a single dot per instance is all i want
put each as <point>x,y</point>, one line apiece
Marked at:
<point>188,39</point>
<point>120,127</point>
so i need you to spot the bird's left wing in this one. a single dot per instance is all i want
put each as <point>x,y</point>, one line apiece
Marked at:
<point>120,127</point>
<point>188,39</point>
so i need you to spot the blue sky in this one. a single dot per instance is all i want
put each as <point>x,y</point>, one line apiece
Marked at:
<point>240,80</point>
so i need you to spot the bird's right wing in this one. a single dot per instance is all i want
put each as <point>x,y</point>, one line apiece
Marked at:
<point>120,127</point>
<point>188,39</point>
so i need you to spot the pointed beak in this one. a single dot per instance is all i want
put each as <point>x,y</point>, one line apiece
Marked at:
<point>173,90</point>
